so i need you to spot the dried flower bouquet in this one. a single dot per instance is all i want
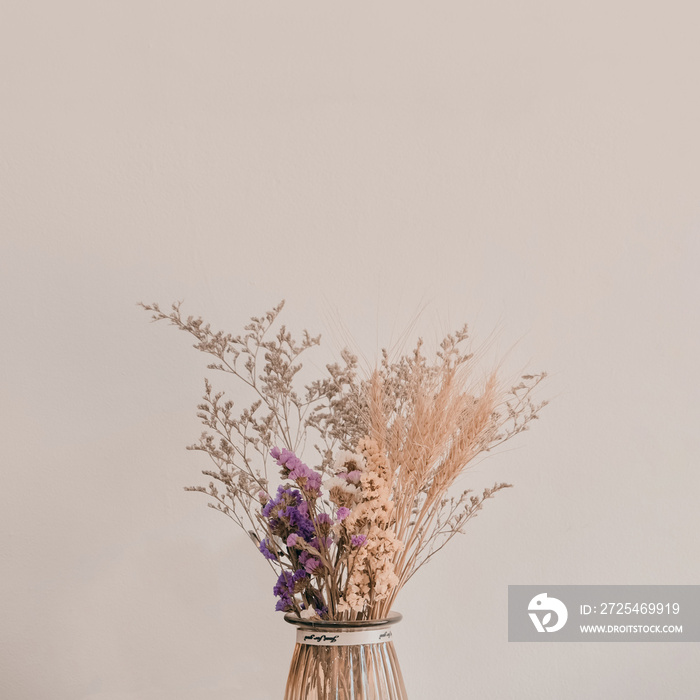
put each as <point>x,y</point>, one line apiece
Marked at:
<point>345,536</point>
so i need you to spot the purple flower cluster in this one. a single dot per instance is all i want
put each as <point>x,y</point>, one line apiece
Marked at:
<point>287,585</point>
<point>288,513</point>
<point>289,522</point>
<point>268,550</point>
<point>293,468</point>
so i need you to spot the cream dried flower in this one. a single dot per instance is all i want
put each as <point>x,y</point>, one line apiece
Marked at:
<point>346,461</point>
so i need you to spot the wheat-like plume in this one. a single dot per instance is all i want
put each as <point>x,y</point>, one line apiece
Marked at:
<point>431,423</point>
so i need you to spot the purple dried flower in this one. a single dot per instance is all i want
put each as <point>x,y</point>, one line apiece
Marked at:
<point>283,583</point>
<point>290,583</point>
<point>358,540</point>
<point>324,542</point>
<point>311,565</point>
<point>342,513</point>
<point>299,522</point>
<point>293,468</point>
<point>285,496</point>
<point>300,580</point>
<point>287,513</point>
<point>309,562</point>
<point>267,552</point>
<point>284,604</point>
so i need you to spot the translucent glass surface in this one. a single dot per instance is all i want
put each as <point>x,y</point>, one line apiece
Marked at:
<point>355,672</point>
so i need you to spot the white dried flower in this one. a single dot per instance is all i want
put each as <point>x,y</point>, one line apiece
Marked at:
<point>336,482</point>
<point>346,461</point>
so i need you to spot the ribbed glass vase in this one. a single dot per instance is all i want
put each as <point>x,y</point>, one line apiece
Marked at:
<point>336,660</point>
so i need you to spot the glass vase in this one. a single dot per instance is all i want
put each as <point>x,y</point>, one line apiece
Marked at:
<point>342,660</point>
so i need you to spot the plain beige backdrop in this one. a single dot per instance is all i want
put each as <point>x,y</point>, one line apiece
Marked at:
<point>526,166</point>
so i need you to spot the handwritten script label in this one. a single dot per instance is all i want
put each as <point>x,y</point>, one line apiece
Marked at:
<point>344,639</point>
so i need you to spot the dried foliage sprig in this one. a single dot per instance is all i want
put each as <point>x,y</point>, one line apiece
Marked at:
<point>346,536</point>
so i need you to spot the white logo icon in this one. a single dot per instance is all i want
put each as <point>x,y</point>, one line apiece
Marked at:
<point>542,602</point>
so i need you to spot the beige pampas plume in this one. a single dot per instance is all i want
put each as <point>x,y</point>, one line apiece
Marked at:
<point>431,419</point>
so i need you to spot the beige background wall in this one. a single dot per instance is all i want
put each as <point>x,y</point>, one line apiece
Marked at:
<point>532,166</point>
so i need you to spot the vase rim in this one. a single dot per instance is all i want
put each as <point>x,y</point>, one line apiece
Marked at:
<point>391,619</point>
